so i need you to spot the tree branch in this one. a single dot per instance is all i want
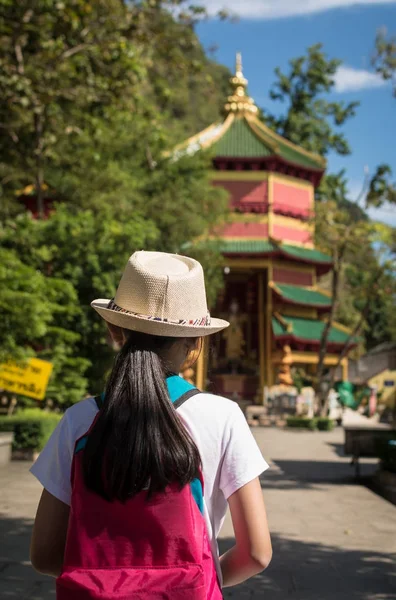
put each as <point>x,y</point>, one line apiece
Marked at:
<point>325,334</point>
<point>75,50</point>
<point>10,132</point>
<point>149,157</point>
<point>356,330</point>
<point>19,57</point>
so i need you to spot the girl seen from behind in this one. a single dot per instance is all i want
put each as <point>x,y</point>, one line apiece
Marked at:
<point>137,481</point>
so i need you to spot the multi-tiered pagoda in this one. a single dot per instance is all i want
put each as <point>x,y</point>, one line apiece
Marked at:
<point>271,295</point>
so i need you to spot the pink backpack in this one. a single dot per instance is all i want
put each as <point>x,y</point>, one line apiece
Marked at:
<point>138,550</point>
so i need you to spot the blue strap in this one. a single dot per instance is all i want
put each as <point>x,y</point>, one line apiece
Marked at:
<point>196,490</point>
<point>177,387</point>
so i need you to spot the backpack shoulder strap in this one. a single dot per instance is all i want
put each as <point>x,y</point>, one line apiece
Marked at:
<point>180,390</point>
<point>178,403</point>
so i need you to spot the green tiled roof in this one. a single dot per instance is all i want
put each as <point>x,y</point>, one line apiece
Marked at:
<point>308,254</point>
<point>240,141</point>
<point>265,246</point>
<point>293,155</point>
<point>253,139</point>
<point>289,152</point>
<point>247,246</point>
<point>307,329</point>
<point>301,295</point>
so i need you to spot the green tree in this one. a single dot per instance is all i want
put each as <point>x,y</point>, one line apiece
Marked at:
<point>314,122</point>
<point>121,162</point>
<point>362,282</point>
<point>23,293</point>
<point>87,251</point>
<point>334,187</point>
<point>381,318</point>
<point>59,59</point>
<point>37,312</point>
<point>382,189</point>
<point>384,59</point>
<point>92,102</point>
<point>66,63</point>
<point>182,82</point>
<point>310,119</point>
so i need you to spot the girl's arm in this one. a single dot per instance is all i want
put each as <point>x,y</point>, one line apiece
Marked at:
<point>48,541</point>
<point>252,552</point>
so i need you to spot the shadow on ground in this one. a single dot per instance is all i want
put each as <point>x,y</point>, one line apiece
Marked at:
<point>310,571</point>
<point>299,570</point>
<point>17,577</point>
<point>307,474</point>
<point>338,449</point>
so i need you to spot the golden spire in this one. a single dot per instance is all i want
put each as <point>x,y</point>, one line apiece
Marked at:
<point>238,65</point>
<point>239,102</point>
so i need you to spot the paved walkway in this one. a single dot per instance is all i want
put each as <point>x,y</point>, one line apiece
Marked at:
<point>332,539</point>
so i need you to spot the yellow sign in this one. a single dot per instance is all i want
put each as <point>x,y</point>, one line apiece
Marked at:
<point>29,378</point>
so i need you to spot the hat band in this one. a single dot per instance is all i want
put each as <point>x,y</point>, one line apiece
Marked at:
<point>202,322</point>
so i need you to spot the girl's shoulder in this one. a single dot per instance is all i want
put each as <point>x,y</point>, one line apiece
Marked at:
<point>221,402</point>
<point>215,412</point>
<point>79,417</point>
<point>87,406</point>
<point>207,411</point>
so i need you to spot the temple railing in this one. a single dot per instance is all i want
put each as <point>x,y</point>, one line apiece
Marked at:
<point>290,211</point>
<point>260,207</point>
<point>251,207</point>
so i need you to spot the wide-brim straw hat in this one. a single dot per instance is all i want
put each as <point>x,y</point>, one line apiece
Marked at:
<point>161,294</point>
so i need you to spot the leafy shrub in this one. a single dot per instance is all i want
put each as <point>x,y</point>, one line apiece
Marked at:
<point>301,423</point>
<point>32,428</point>
<point>325,424</point>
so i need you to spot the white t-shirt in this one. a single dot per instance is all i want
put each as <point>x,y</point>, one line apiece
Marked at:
<point>229,453</point>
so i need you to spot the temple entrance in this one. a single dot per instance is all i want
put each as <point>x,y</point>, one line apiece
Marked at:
<point>235,358</point>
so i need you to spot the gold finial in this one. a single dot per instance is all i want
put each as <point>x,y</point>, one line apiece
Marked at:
<point>238,65</point>
<point>239,102</point>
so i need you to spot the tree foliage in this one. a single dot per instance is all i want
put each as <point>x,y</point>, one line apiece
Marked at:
<point>64,64</point>
<point>364,250</point>
<point>59,60</point>
<point>362,282</point>
<point>384,59</point>
<point>382,189</point>
<point>83,255</point>
<point>37,319</point>
<point>93,93</point>
<point>342,225</point>
<point>311,120</point>
<point>334,187</point>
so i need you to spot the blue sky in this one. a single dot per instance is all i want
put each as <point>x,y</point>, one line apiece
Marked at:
<point>271,32</point>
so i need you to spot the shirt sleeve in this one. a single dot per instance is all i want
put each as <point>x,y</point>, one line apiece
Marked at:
<point>242,459</point>
<point>53,466</point>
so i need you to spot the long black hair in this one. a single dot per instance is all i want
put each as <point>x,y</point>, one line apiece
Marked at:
<point>138,441</point>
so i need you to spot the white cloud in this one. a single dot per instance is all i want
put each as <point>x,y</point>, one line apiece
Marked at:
<point>348,79</point>
<point>275,9</point>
